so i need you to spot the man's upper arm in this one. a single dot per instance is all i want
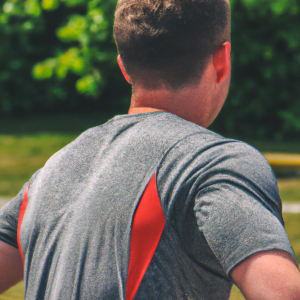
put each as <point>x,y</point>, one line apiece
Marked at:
<point>11,266</point>
<point>270,275</point>
<point>9,215</point>
<point>238,207</point>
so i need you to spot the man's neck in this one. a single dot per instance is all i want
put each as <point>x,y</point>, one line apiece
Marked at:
<point>199,104</point>
<point>189,104</point>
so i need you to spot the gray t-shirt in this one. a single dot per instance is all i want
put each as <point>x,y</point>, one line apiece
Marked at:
<point>218,197</point>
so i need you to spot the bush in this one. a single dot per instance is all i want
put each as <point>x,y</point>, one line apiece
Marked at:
<point>264,96</point>
<point>58,56</point>
<point>68,46</point>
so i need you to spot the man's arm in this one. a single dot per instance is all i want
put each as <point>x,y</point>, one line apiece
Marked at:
<point>269,275</point>
<point>11,266</point>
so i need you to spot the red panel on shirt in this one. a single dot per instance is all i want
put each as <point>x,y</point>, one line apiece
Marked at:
<point>21,216</point>
<point>147,227</point>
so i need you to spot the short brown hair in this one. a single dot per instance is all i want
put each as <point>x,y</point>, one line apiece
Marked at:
<point>170,39</point>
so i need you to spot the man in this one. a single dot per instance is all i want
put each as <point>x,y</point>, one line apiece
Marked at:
<point>152,205</point>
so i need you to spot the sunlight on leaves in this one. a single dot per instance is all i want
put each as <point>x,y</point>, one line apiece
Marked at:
<point>72,60</point>
<point>8,7</point>
<point>44,70</point>
<point>75,27</point>
<point>50,4</point>
<point>32,7</point>
<point>87,85</point>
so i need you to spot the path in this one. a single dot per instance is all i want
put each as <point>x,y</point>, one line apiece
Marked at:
<point>293,208</point>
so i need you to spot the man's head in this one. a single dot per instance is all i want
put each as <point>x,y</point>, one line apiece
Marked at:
<point>167,43</point>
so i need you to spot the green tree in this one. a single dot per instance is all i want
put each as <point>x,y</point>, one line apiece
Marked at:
<point>264,96</point>
<point>68,46</point>
<point>91,43</point>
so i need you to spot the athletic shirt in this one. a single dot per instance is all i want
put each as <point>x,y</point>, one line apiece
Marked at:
<point>146,206</point>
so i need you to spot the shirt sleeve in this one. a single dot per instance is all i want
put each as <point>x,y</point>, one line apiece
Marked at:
<point>238,207</point>
<point>9,215</point>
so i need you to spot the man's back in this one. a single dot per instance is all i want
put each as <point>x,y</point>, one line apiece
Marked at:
<point>146,205</point>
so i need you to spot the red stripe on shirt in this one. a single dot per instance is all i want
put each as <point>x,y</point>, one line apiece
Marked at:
<point>147,227</point>
<point>21,216</point>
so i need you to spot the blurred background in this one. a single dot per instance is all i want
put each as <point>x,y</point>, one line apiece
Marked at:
<point>59,76</point>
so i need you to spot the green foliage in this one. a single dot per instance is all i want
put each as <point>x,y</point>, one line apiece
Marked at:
<point>89,32</point>
<point>32,7</point>
<point>59,55</point>
<point>263,99</point>
<point>50,4</point>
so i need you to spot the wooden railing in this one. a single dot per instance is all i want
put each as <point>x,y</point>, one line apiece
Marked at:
<point>283,160</point>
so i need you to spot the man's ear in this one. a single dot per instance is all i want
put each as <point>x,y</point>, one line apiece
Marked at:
<point>222,61</point>
<point>123,70</point>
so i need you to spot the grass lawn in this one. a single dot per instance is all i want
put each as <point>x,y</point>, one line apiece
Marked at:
<point>22,156</point>
<point>15,293</point>
<point>289,189</point>
<point>26,144</point>
<point>236,294</point>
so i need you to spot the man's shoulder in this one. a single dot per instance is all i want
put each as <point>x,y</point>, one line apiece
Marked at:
<point>212,145</point>
<point>210,155</point>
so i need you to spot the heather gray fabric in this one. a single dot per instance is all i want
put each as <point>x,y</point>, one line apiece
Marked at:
<point>219,196</point>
